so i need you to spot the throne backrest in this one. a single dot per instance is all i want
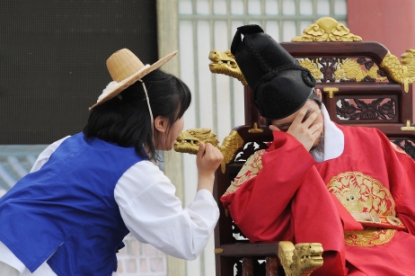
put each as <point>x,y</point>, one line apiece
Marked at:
<point>362,84</point>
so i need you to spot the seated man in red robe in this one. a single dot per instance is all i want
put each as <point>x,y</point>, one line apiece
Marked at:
<point>348,188</point>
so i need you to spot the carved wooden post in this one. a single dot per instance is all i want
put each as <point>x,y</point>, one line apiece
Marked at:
<point>251,111</point>
<point>271,267</point>
<point>247,267</point>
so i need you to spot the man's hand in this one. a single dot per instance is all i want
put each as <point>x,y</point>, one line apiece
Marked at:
<point>304,127</point>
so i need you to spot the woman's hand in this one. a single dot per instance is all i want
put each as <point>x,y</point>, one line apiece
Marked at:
<point>207,160</point>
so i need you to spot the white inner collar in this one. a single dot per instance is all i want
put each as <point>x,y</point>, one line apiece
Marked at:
<point>333,139</point>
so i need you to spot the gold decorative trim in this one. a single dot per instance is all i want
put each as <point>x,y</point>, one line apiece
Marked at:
<point>408,126</point>
<point>369,237</point>
<point>249,170</point>
<point>188,142</point>
<point>326,29</point>
<point>397,148</point>
<point>403,73</point>
<point>218,250</point>
<point>230,145</point>
<point>255,129</point>
<point>330,91</point>
<point>225,63</point>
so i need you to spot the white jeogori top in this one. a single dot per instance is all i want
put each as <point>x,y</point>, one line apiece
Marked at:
<point>151,211</point>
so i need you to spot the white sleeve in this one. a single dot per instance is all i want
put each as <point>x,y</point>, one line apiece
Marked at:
<point>153,214</point>
<point>45,154</point>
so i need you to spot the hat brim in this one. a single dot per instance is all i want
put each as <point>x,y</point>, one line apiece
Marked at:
<point>283,95</point>
<point>121,86</point>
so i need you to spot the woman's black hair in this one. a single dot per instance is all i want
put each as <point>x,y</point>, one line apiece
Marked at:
<point>125,119</point>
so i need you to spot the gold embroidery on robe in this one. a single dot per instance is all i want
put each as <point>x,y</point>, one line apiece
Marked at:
<point>362,193</point>
<point>369,237</point>
<point>249,170</point>
<point>398,149</point>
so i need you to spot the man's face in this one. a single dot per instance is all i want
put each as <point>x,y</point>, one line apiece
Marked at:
<point>306,125</point>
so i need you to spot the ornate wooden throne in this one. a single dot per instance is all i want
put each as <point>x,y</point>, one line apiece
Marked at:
<point>362,84</point>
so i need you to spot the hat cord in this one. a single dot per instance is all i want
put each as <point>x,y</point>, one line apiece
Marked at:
<point>149,107</point>
<point>305,74</point>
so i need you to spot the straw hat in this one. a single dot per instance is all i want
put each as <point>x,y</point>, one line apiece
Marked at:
<point>125,69</point>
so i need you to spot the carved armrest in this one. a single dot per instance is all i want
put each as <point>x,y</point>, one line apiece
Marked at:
<point>297,260</point>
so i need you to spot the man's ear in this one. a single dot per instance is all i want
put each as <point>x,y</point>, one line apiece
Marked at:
<point>161,123</point>
<point>320,96</point>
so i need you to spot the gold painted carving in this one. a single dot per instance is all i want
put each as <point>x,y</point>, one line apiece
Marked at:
<point>301,259</point>
<point>188,142</point>
<point>331,91</point>
<point>403,73</point>
<point>312,67</point>
<point>408,126</point>
<point>224,63</point>
<point>350,69</point>
<point>326,29</point>
<point>230,145</point>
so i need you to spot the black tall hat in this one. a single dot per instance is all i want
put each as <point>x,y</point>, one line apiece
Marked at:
<point>279,83</point>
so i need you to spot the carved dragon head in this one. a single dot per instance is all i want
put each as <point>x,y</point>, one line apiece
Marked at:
<point>307,257</point>
<point>408,59</point>
<point>404,72</point>
<point>301,259</point>
<point>188,140</point>
<point>224,63</point>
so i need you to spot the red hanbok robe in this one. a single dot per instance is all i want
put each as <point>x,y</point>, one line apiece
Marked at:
<point>282,193</point>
